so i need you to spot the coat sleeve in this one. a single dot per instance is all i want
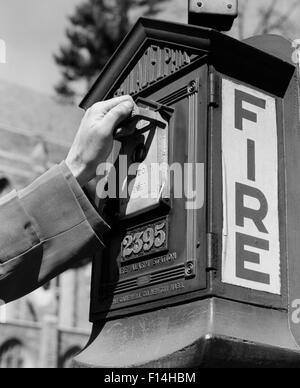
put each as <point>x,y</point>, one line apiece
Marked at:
<point>43,230</point>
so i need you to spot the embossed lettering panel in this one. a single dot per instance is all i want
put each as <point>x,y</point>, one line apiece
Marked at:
<point>159,258</point>
<point>155,64</point>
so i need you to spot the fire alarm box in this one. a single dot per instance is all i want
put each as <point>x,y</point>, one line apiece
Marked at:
<point>204,255</point>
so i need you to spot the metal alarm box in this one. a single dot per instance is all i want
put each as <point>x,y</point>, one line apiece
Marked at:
<point>198,277</point>
<point>157,254</point>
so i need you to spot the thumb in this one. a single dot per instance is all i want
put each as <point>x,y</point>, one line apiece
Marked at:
<point>116,115</point>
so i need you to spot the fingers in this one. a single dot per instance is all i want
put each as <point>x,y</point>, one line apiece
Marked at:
<point>106,106</point>
<point>117,114</point>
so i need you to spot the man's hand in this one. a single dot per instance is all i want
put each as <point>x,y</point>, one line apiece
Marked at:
<point>94,140</point>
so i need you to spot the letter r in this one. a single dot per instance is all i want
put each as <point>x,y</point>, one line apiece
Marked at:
<point>243,212</point>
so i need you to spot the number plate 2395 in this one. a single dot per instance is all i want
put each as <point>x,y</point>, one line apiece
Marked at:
<point>145,240</point>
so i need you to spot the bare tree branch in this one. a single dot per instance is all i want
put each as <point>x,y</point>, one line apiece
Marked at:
<point>266,16</point>
<point>285,17</point>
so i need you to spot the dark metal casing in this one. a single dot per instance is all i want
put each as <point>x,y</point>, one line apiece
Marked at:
<point>171,307</point>
<point>217,14</point>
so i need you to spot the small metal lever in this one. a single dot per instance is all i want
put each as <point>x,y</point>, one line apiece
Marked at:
<point>143,118</point>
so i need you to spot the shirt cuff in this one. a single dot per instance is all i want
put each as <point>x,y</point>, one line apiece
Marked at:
<point>56,203</point>
<point>100,227</point>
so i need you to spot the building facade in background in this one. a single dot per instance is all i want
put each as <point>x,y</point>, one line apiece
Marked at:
<point>46,328</point>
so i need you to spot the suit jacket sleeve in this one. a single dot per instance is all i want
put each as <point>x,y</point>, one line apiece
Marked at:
<point>43,230</point>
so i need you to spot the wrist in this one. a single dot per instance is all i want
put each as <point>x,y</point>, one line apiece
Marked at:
<point>77,171</point>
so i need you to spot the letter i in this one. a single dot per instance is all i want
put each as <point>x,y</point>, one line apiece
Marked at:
<point>251,160</point>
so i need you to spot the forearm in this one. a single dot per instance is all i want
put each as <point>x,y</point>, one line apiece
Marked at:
<point>44,229</point>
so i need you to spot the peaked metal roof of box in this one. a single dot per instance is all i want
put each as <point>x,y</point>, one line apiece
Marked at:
<point>230,56</point>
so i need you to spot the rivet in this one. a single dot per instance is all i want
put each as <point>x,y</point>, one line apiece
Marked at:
<point>192,87</point>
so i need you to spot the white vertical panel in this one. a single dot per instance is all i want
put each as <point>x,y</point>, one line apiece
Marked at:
<point>263,133</point>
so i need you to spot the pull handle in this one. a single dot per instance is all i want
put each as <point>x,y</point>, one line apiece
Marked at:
<point>143,118</point>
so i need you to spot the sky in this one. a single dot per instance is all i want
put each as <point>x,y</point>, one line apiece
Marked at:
<point>33,31</point>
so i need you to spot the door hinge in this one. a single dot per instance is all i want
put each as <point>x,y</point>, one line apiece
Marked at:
<point>214,90</point>
<point>212,251</point>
